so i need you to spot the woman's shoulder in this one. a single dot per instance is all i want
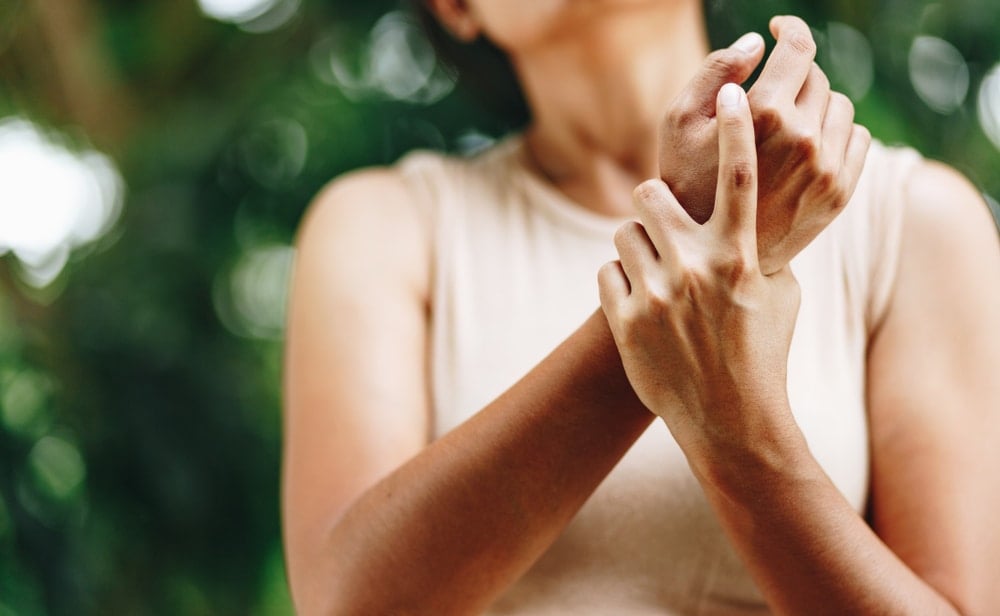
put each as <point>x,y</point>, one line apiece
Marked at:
<point>360,198</point>
<point>477,165</point>
<point>904,203</point>
<point>363,226</point>
<point>418,178</point>
<point>898,182</point>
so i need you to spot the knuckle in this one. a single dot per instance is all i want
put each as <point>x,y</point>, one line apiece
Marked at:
<point>768,118</point>
<point>802,42</point>
<point>624,234</point>
<point>607,271</point>
<point>683,112</point>
<point>841,100</point>
<point>826,183</point>
<point>686,118</point>
<point>646,192</point>
<point>817,74</point>
<point>862,132</point>
<point>694,282</point>
<point>841,105</point>
<point>805,143</point>
<point>688,285</point>
<point>741,174</point>
<point>721,62</point>
<point>838,203</point>
<point>828,190</point>
<point>677,115</point>
<point>656,302</point>
<point>732,268</point>
<point>732,124</point>
<point>760,93</point>
<point>842,194</point>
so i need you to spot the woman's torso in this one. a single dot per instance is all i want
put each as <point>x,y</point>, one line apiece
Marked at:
<point>514,273</point>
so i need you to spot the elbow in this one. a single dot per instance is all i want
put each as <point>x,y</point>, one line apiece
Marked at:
<point>316,595</point>
<point>315,587</point>
<point>325,580</point>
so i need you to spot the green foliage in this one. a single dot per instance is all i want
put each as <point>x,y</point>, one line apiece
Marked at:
<point>139,393</point>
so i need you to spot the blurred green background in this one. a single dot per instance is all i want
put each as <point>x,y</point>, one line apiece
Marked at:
<point>156,157</point>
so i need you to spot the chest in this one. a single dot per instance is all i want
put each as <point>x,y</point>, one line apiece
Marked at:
<point>510,290</point>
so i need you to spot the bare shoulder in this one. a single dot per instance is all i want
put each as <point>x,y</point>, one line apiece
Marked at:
<point>371,220</point>
<point>372,191</point>
<point>944,210</point>
<point>948,282</point>
<point>949,268</point>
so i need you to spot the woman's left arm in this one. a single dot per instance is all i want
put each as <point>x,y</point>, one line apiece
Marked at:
<point>934,395</point>
<point>933,546</point>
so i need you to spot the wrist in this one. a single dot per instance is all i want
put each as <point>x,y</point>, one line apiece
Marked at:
<point>603,376</point>
<point>739,463</point>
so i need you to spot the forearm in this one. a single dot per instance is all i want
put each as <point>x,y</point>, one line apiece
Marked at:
<point>805,546</point>
<point>452,528</point>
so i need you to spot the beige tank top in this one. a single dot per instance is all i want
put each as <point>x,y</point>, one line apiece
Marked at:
<point>515,266</point>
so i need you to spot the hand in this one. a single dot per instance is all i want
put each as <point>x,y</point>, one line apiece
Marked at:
<point>702,332</point>
<point>809,150</point>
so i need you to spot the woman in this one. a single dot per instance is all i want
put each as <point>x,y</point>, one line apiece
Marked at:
<point>438,461</point>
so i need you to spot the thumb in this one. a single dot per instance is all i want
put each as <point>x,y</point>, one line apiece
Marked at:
<point>734,64</point>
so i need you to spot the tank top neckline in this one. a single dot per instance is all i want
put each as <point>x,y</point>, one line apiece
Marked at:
<point>541,193</point>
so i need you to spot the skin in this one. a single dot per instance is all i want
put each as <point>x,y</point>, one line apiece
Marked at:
<point>371,506</point>
<point>806,157</point>
<point>693,299</point>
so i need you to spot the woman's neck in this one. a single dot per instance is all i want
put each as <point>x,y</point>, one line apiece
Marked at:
<point>597,97</point>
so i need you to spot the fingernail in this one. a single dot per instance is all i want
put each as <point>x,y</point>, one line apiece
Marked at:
<point>748,43</point>
<point>730,95</point>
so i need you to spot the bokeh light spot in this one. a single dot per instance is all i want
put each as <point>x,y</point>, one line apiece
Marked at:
<point>401,60</point>
<point>472,142</point>
<point>989,105</point>
<point>939,74</point>
<point>24,406</point>
<point>396,62</point>
<point>57,467</point>
<point>235,10</point>
<point>251,15</point>
<point>250,300</point>
<point>51,199</point>
<point>274,152</point>
<point>850,60</point>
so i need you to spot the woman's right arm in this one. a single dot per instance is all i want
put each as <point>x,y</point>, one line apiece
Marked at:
<point>376,520</point>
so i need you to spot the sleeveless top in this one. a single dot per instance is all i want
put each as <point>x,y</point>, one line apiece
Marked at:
<point>515,272</point>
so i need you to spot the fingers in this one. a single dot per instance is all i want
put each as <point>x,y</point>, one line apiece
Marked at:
<point>791,61</point>
<point>635,251</point>
<point>736,193</point>
<point>613,286</point>
<point>640,255</point>
<point>837,129</point>
<point>844,149</point>
<point>814,98</point>
<point>660,214</point>
<point>734,64</point>
<point>854,160</point>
